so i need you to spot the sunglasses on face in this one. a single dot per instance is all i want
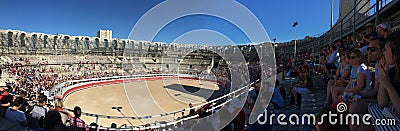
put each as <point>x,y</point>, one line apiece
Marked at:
<point>372,49</point>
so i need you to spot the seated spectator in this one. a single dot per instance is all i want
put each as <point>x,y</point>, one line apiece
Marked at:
<point>326,125</point>
<point>76,123</point>
<point>366,38</point>
<point>252,97</point>
<point>360,77</point>
<point>304,86</point>
<point>369,34</point>
<point>382,30</point>
<point>331,61</point>
<point>388,106</point>
<point>277,99</point>
<point>375,53</point>
<point>340,78</point>
<point>282,91</point>
<point>14,115</point>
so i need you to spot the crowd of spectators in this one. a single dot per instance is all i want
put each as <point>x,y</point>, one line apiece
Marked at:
<point>366,78</point>
<point>361,71</point>
<point>26,92</point>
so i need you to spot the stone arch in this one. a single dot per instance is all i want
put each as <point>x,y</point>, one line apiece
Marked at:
<point>96,43</point>
<point>77,43</point>
<point>114,44</point>
<point>86,43</point>
<point>65,42</point>
<point>10,38</point>
<point>163,46</point>
<point>34,41</point>
<point>45,41</point>
<point>55,44</point>
<point>132,44</point>
<point>123,44</point>
<point>22,39</point>
<point>140,45</point>
<point>105,43</point>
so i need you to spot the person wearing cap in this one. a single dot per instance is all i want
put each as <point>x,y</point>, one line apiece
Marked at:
<point>382,30</point>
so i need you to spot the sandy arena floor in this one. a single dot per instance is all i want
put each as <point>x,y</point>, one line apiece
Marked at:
<point>140,98</point>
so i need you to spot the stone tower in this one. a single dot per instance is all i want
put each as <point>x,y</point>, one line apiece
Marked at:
<point>104,34</point>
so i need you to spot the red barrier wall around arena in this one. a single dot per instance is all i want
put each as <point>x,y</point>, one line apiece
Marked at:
<point>98,83</point>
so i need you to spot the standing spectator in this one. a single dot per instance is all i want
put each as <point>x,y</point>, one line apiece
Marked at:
<point>5,99</point>
<point>52,121</point>
<point>25,104</point>
<point>38,112</point>
<point>59,106</point>
<point>14,115</point>
<point>77,124</point>
<point>192,111</point>
<point>113,125</point>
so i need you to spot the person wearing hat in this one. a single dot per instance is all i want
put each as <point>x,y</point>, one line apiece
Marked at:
<point>370,33</point>
<point>366,38</point>
<point>382,30</point>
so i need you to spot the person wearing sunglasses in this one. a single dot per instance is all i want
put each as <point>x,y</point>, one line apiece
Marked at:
<point>388,99</point>
<point>360,76</point>
<point>375,53</point>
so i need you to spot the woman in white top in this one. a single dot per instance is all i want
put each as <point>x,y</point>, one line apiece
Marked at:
<point>360,76</point>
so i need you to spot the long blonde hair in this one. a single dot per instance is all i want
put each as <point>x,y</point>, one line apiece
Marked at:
<point>58,103</point>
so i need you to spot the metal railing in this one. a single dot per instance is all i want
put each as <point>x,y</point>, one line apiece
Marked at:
<point>60,89</point>
<point>363,12</point>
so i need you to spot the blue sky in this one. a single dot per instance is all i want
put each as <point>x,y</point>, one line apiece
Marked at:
<point>76,17</point>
